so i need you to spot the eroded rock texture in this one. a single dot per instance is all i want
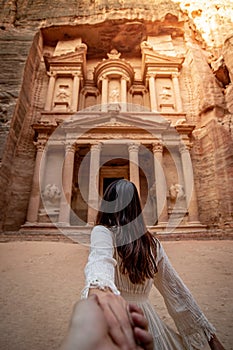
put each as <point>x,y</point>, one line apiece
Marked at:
<point>199,32</point>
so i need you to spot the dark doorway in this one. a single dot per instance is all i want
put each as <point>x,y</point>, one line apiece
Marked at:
<point>109,180</point>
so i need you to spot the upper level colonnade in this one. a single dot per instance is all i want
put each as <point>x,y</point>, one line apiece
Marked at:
<point>75,83</point>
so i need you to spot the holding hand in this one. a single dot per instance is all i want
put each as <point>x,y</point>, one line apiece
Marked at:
<point>127,324</point>
<point>107,323</point>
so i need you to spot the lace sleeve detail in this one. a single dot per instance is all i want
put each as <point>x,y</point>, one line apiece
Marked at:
<point>190,321</point>
<point>100,268</point>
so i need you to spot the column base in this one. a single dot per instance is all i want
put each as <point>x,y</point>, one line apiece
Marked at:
<point>56,232</point>
<point>165,228</point>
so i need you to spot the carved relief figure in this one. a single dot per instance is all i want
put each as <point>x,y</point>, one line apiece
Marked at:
<point>63,93</point>
<point>114,95</point>
<point>166,93</point>
<point>51,196</point>
<point>177,196</point>
<point>176,192</point>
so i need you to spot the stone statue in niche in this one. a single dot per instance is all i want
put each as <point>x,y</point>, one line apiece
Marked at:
<point>51,196</point>
<point>177,195</point>
<point>176,192</point>
<point>114,95</point>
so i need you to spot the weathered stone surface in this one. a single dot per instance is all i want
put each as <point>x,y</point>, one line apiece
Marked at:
<point>213,163</point>
<point>31,29</point>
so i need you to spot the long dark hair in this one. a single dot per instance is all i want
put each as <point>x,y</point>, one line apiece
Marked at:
<point>121,211</point>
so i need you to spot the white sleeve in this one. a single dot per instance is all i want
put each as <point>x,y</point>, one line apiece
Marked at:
<point>191,323</point>
<point>100,268</point>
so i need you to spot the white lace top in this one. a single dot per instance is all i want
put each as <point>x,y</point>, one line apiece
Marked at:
<point>102,271</point>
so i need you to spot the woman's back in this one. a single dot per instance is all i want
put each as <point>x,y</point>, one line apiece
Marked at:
<point>127,288</point>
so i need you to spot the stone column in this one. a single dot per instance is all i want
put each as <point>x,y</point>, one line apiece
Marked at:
<point>134,165</point>
<point>153,102</point>
<point>123,94</point>
<point>160,183</point>
<point>176,86</point>
<point>50,92</point>
<point>34,200</point>
<point>93,197</point>
<point>67,178</point>
<point>75,92</point>
<point>104,97</point>
<point>190,193</point>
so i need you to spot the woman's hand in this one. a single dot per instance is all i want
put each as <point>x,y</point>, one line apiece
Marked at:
<point>127,324</point>
<point>90,330</point>
<point>140,328</point>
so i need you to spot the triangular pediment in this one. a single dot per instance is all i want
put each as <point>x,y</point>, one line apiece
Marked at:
<point>161,59</point>
<point>73,59</point>
<point>153,61</point>
<point>117,122</point>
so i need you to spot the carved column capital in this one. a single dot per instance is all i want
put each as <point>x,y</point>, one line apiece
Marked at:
<point>157,146</point>
<point>70,146</point>
<point>52,74</point>
<point>77,74</point>
<point>185,147</point>
<point>96,147</point>
<point>151,75</point>
<point>175,74</point>
<point>124,78</point>
<point>40,144</point>
<point>133,147</point>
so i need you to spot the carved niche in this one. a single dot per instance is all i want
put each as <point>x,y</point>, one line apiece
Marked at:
<point>67,70</point>
<point>164,70</point>
<point>114,77</point>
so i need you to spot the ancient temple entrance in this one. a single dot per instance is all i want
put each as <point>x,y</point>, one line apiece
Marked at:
<point>110,173</point>
<point>108,180</point>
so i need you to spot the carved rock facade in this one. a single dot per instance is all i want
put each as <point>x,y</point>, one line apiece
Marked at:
<point>116,90</point>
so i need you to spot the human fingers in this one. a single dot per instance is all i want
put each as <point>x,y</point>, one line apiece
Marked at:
<point>139,320</point>
<point>135,308</point>
<point>144,338</point>
<point>116,314</point>
<point>88,328</point>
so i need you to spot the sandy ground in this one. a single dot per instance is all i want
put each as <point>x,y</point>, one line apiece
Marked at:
<point>41,281</point>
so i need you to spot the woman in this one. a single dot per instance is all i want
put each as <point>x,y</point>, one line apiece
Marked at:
<point>127,260</point>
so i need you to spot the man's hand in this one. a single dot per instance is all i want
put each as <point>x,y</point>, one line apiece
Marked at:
<point>107,322</point>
